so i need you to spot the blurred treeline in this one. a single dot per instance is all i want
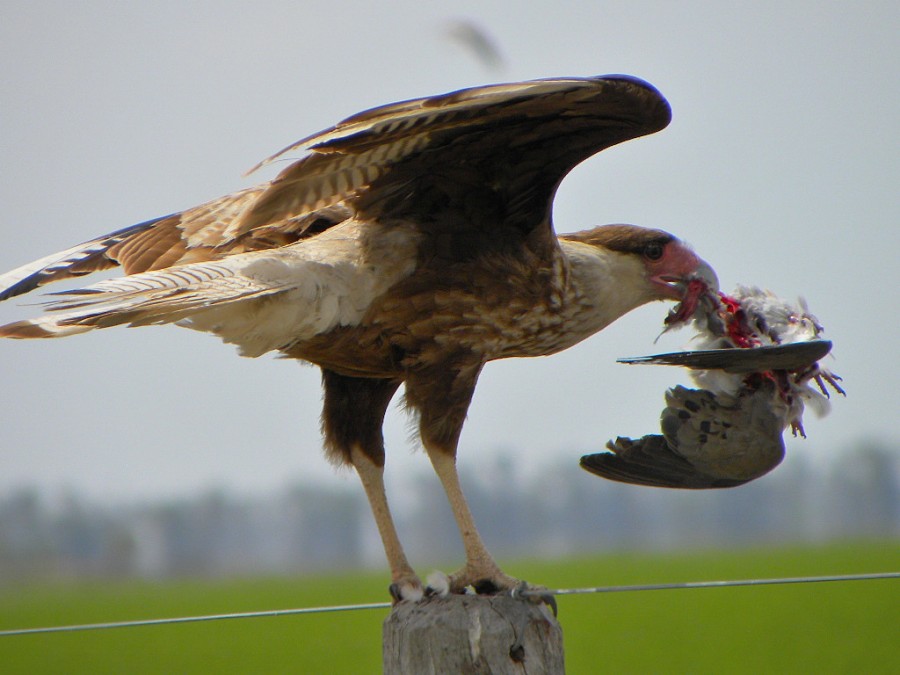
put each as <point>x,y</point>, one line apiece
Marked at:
<point>555,511</point>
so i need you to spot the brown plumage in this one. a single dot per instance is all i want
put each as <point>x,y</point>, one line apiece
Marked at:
<point>410,244</point>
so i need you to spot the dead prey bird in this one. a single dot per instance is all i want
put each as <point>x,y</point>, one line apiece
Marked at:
<point>758,369</point>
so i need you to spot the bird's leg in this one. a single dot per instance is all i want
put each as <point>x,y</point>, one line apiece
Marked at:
<point>405,585</point>
<point>352,416</point>
<point>480,570</point>
<point>441,395</point>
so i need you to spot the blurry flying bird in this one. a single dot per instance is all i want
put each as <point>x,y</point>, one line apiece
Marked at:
<point>475,40</point>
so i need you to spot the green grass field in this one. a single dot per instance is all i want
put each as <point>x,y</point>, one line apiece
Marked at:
<point>851,627</point>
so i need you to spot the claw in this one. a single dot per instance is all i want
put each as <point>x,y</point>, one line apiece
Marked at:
<point>831,379</point>
<point>406,590</point>
<point>535,594</point>
<point>438,584</point>
<point>820,383</point>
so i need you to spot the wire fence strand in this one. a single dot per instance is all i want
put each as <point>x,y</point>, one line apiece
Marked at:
<point>386,605</point>
<point>193,619</point>
<point>718,584</point>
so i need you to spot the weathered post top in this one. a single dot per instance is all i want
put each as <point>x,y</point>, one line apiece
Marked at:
<point>472,634</point>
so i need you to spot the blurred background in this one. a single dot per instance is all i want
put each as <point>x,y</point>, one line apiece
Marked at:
<point>159,452</point>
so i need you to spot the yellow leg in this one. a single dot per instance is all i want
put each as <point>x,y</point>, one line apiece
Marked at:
<point>405,585</point>
<point>480,570</point>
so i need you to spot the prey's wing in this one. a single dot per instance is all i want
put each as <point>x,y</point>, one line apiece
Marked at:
<point>707,441</point>
<point>793,356</point>
<point>650,461</point>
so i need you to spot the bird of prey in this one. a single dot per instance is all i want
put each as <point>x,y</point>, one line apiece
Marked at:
<point>756,370</point>
<point>408,244</point>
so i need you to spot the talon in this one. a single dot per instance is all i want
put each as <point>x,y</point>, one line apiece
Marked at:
<point>438,584</point>
<point>820,383</point>
<point>536,595</point>
<point>406,591</point>
<point>550,600</point>
<point>833,380</point>
<point>517,591</point>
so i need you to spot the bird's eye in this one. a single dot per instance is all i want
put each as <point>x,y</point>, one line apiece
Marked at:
<point>653,251</point>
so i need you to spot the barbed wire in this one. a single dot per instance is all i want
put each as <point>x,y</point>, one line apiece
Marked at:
<point>387,605</point>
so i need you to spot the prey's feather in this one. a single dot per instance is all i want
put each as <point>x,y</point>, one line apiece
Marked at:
<point>756,376</point>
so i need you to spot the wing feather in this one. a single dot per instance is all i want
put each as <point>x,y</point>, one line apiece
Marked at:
<point>469,161</point>
<point>162,296</point>
<point>534,131</point>
<point>791,356</point>
<point>708,441</point>
<point>91,256</point>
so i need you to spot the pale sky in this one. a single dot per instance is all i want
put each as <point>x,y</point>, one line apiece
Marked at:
<point>780,167</point>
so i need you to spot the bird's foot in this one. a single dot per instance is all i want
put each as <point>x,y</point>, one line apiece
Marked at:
<point>484,579</point>
<point>490,581</point>
<point>407,588</point>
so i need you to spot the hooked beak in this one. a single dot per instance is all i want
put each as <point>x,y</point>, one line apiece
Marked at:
<point>691,290</point>
<point>677,286</point>
<point>706,275</point>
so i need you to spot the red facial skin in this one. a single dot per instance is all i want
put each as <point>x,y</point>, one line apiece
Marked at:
<point>682,275</point>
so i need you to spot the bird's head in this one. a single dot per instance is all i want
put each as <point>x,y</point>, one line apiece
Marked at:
<point>677,272</point>
<point>654,265</point>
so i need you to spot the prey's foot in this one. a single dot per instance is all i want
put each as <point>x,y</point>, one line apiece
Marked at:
<point>406,588</point>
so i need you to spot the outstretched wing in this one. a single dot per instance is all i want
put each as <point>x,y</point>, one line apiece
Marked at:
<point>505,147</point>
<point>472,160</point>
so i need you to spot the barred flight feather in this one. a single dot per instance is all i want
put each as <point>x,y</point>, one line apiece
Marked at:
<point>432,112</point>
<point>79,260</point>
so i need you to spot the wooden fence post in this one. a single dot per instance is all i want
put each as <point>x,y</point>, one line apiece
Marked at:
<point>472,634</point>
